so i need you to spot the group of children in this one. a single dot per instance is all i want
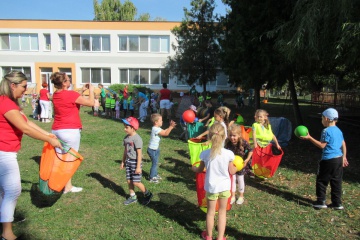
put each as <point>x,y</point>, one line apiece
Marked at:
<point>115,104</point>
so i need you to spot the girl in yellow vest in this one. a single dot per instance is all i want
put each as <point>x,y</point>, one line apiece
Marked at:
<point>262,134</point>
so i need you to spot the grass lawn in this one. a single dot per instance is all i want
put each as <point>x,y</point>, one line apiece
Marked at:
<point>277,208</point>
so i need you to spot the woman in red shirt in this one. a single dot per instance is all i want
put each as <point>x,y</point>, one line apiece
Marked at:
<point>13,124</point>
<point>44,103</point>
<point>164,98</point>
<point>67,123</point>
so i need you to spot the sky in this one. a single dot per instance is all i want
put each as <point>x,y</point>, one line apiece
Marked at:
<point>171,10</point>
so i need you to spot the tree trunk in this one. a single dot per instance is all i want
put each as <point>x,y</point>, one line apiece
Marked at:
<point>295,103</point>
<point>204,89</point>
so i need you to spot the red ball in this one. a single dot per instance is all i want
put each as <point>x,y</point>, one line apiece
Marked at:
<point>188,116</point>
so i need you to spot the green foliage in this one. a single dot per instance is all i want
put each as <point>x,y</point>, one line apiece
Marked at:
<point>113,10</point>
<point>120,87</point>
<point>197,48</point>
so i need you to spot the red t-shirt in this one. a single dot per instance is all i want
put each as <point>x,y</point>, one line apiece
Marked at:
<point>43,94</point>
<point>66,110</point>
<point>10,140</point>
<point>165,94</point>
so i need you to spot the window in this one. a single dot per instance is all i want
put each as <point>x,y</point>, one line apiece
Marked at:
<point>25,70</point>
<point>62,42</point>
<point>93,43</point>
<point>143,76</point>
<point>134,76</point>
<point>19,42</point>
<point>47,42</point>
<point>95,75</point>
<point>124,76</point>
<point>144,43</point>
<point>164,77</point>
<point>154,76</point>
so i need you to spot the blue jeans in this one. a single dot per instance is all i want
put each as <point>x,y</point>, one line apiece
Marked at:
<point>154,156</point>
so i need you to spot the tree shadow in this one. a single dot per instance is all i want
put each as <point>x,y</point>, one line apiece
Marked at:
<point>274,190</point>
<point>108,183</point>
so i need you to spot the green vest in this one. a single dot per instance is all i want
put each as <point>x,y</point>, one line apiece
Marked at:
<point>108,102</point>
<point>112,103</point>
<point>263,135</point>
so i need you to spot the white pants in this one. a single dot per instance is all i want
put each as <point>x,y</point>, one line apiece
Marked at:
<point>45,106</point>
<point>241,183</point>
<point>10,185</point>
<point>70,136</point>
<point>143,110</point>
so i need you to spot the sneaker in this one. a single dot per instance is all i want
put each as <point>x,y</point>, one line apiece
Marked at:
<point>232,201</point>
<point>74,190</point>
<point>147,198</point>
<point>158,177</point>
<point>204,236</point>
<point>142,120</point>
<point>319,205</point>
<point>336,206</point>
<point>154,180</point>
<point>240,200</point>
<point>130,200</point>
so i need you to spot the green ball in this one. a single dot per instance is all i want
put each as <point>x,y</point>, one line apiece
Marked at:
<point>301,131</point>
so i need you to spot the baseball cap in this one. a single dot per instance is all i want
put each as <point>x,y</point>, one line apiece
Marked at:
<point>131,121</point>
<point>192,107</point>
<point>331,114</point>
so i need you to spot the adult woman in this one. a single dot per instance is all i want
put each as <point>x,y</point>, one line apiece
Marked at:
<point>165,96</point>
<point>44,103</point>
<point>144,104</point>
<point>13,124</point>
<point>67,123</point>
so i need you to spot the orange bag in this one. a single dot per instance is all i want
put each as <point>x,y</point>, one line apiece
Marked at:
<point>57,168</point>
<point>265,162</point>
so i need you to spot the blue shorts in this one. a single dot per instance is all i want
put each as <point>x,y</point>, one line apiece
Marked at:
<point>130,165</point>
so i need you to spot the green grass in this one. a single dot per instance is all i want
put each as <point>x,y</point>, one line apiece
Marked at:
<point>277,208</point>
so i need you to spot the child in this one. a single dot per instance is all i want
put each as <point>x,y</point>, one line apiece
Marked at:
<point>131,102</point>
<point>219,166</point>
<point>262,134</point>
<point>153,149</point>
<point>153,106</point>
<point>125,105</point>
<point>117,108</point>
<point>332,161</point>
<point>132,161</point>
<point>96,105</point>
<point>240,147</point>
<point>221,115</point>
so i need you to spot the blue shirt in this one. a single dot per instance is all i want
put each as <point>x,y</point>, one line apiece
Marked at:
<point>333,137</point>
<point>142,95</point>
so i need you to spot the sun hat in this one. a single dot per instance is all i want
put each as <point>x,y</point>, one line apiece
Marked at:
<point>192,107</point>
<point>131,121</point>
<point>331,114</point>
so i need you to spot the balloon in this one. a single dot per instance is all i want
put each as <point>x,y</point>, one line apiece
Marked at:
<point>238,162</point>
<point>188,116</point>
<point>301,131</point>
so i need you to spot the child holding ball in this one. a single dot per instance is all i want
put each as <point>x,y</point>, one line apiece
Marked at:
<point>219,166</point>
<point>332,161</point>
<point>240,147</point>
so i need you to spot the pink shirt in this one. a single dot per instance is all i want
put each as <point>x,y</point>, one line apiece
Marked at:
<point>66,110</point>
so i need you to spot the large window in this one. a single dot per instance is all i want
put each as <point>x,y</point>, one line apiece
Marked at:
<point>62,42</point>
<point>143,43</point>
<point>25,70</point>
<point>95,75</point>
<point>19,42</point>
<point>143,76</point>
<point>93,43</point>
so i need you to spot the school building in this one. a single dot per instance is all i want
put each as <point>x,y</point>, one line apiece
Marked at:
<point>91,51</point>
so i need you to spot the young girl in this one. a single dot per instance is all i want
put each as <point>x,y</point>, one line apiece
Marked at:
<point>221,115</point>
<point>96,105</point>
<point>117,108</point>
<point>240,147</point>
<point>219,166</point>
<point>261,130</point>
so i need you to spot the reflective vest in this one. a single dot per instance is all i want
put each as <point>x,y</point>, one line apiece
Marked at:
<point>263,135</point>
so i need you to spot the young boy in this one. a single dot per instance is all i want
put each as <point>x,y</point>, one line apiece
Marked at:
<point>332,161</point>
<point>153,149</point>
<point>132,161</point>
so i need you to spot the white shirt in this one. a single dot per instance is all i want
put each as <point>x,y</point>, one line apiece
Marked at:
<point>154,138</point>
<point>217,177</point>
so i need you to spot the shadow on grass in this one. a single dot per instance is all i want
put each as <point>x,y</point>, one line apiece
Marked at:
<point>274,190</point>
<point>108,183</point>
<point>36,159</point>
<point>41,200</point>
<point>180,169</point>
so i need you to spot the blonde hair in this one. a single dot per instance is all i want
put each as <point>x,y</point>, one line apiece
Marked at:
<point>15,77</point>
<point>217,137</point>
<point>266,114</point>
<point>155,117</point>
<point>224,113</point>
<point>236,130</point>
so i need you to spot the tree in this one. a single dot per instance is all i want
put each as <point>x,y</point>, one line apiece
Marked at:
<point>113,10</point>
<point>197,49</point>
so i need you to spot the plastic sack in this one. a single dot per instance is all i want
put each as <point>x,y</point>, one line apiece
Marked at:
<point>265,162</point>
<point>196,146</point>
<point>56,168</point>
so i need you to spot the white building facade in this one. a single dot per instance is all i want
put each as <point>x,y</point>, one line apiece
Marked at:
<point>91,51</point>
